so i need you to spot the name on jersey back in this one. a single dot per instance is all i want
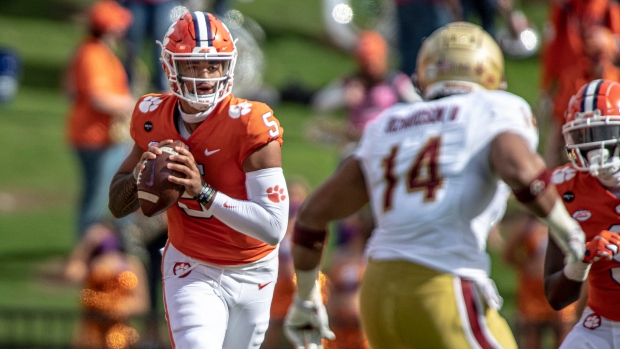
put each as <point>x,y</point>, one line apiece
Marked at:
<point>421,117</point>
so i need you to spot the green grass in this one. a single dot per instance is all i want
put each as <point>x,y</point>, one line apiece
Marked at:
<point>39,183</point>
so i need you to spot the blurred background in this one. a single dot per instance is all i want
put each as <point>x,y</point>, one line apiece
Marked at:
<point>288,51</point>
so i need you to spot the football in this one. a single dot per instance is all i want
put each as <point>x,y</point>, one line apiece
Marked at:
<point>155,192</point>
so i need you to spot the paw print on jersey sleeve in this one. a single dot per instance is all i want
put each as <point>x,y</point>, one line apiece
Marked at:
<point>276,194</point>
<point>237,110</point>
<point>562,174</point>
<point>149,103</point>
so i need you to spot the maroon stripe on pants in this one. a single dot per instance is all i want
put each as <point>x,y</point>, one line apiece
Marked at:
<point>469,296</point>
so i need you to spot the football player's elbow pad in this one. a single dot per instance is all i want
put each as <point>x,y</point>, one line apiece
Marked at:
<point>265,215</point>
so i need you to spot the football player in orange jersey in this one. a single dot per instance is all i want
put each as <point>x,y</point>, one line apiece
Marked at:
<point>220,263</point>
<point>590,189</point>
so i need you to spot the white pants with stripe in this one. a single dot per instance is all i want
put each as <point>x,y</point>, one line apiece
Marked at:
<point>212,307</point>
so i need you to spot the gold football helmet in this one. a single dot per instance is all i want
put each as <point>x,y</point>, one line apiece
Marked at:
<point>459,57</point>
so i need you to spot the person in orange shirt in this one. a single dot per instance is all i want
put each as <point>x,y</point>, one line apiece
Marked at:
<point>96,82</point>
<point>525,250</point>
<point>220,264</point>
<point>567,58</point>
<point>590,189</point>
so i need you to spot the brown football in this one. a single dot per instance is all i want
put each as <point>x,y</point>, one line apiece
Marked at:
<point>155,192</point>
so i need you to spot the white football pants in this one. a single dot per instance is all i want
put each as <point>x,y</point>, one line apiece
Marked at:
<point>593,331</point>
<point>210,307</point>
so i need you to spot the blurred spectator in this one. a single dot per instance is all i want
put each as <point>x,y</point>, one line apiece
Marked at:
<point>344,272</point>
<point>150,235</point>
<point>485,10</point>
<point>114,289</point>
<point>217,7</point>
<point>575,52</point>
<point>418,19</point>
<point>151,20</point>
<point>96,82</point>
<point>298,189</point>
<point>525,250</point>
<point>365,93</point>
<point>10,69</point>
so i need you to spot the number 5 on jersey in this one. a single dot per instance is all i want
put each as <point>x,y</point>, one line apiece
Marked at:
<point>274,130</point>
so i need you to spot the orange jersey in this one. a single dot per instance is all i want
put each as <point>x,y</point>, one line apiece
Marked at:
<point>94,68</point>
<point>596,209</point>
<point>233,130</point>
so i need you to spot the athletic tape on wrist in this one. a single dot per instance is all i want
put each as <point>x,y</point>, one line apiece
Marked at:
<point>577,271</point>
<point>309,238</point>
<point>307,284</point>
<point>534,189</point>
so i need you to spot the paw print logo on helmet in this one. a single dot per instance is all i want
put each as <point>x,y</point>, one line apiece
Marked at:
<point>592,128</point>
<point>199,56</point>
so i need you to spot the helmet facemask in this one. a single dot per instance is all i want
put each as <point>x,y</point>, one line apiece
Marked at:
<point>593,145</point>
<point>187,78</point>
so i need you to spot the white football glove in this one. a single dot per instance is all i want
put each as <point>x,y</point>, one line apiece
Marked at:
<point>566,232</point>
<point>306,324</point>
<point>573,245</point>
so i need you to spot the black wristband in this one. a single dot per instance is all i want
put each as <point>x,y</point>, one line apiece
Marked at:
<point>205,195</point>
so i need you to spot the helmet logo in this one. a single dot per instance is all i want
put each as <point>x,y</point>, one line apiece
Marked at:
<point>479,70</point>
<point>167,36</point>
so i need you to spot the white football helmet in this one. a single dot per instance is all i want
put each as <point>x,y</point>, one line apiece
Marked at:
<point>195,38</point>
<point>592,130</point>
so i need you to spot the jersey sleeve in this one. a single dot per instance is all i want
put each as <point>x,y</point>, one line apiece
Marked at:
<point>508,113</point>
<point>136,116</point>
<point>262,128</point>
<point>148,119</point>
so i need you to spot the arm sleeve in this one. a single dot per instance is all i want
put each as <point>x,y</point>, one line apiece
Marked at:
<point>265,215</point>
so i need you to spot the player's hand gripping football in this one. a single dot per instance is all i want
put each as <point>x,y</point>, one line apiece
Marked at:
<point>150,154</point>
<point>184,162</point>
<point>306,324</point>
<point>604,246</point>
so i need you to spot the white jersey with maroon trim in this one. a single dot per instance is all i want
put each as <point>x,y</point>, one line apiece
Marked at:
<point>432,191</point>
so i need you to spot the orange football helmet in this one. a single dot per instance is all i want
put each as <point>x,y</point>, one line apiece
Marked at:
<point>195,37</point>
<point>592,128</point>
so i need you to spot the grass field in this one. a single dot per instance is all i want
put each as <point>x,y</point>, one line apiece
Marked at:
<point>39,182</point>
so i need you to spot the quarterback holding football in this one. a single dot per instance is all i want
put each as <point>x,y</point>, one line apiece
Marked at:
<point>221,259</point>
